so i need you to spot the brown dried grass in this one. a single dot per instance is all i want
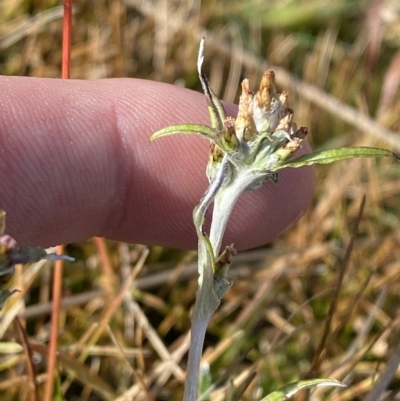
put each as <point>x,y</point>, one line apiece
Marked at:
<point>123,340</point>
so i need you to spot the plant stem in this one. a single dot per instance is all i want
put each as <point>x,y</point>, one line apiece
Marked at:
<point>223,206</point>
<point>58,265</point>
<point>207,300</point>
<point>202,313</point>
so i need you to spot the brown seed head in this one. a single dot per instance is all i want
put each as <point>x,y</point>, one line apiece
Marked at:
<point>244,125</point>
<point>229,131</point>
<point>245,98</point>
<point>267,90</point>
<point>216,153</point>
<point>283,97</point>
<point>301,132</point>
<point>286,121</point>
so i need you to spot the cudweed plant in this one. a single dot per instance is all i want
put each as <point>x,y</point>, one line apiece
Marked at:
<point>246,152</point>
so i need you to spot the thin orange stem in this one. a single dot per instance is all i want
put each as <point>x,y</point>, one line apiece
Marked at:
<point>55,317</point>
<point>58,266</point>
<point>66,45</point>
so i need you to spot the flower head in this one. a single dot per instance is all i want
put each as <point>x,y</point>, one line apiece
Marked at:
<point>261,137</point>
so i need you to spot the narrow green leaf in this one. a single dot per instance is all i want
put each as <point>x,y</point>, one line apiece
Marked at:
<point>333,155</point>
<point>292,388</point>
<point>197,129</point>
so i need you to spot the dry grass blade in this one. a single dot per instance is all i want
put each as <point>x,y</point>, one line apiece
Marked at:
<point>118,299</point>
<point>108,274</point>
<point>82,372</point>
<point>360,339</point>
<point>273,317</point>
<point>238,392</point>
<point>31,26</point>
<point>160,373</point>
<point>375,33</point>
<point>319,353</point>
<point>224,384</point>
<point>138,377</point>
<point>29,363</point>
<point>390,87</point>
<point>154,339</point>
<point>386,376</point>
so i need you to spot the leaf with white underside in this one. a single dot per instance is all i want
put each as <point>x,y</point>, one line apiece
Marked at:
<point>334,155</point>
<point>291,389</point>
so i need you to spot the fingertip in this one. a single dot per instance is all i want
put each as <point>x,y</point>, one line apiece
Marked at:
<point>106,178</point>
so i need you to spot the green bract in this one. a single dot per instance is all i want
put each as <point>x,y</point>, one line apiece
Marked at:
<point>246,152</point>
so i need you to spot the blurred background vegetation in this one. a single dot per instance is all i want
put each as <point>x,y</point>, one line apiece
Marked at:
<point>340,62</point>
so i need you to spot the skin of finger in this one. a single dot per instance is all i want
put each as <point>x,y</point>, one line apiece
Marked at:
<point>76,162</point>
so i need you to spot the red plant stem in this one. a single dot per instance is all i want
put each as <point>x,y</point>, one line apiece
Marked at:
<point>58,266</point>
<point>66,44</point>
<point>55,317</point>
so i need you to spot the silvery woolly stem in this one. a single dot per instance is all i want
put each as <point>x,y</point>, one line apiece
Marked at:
<point>211,286</point>
<point>224,203</point>
<point>207,301</point>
